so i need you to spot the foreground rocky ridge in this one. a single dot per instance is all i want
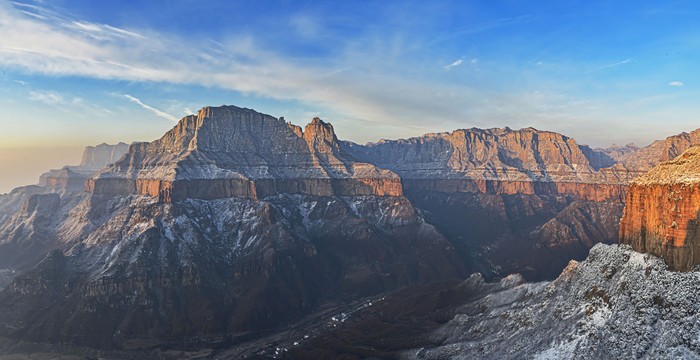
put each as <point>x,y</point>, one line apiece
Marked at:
<point>663,211</point>
<point>617,304</point>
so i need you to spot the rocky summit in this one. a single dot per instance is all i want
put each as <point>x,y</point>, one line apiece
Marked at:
<point>663,209</point>
<point>236,152</point>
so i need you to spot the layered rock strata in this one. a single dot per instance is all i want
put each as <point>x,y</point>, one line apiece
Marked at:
<point>500,161</point>
<point>663,212</point>
<point>236,152</point>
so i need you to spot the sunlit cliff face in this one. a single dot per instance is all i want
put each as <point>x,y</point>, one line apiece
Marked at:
<point>663,206</point>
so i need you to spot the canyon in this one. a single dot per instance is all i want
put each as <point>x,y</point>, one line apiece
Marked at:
<point>236,224</point>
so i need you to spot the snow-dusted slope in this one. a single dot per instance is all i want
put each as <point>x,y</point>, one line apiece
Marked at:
<point>215,271</point>
<point>617,304</point>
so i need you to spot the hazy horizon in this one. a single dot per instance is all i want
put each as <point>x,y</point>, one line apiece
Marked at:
<point>23,166</point>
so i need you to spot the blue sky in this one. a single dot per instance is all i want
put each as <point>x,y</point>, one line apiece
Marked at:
<point>76,73</point>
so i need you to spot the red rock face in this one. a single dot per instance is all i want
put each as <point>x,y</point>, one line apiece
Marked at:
<point>662,212</point>
<point>210,189</point>
<point>583,191</point>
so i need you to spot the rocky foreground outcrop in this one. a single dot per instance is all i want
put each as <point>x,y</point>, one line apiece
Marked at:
<point>617,304</point>
<point>662,214</point>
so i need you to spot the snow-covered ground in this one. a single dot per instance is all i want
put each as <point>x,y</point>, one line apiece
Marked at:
<point>617,304</point>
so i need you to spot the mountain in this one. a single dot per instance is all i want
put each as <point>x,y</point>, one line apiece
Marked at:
<point>501,161</point>
<point>663,210</point>
<point>621,302</point>
<point>31,216</point>
<point>649,156</point>
<point>524,201</point>
<point>617,304</point>
<point>230,151</point>
<point>94,159</point>
<point>236,229</point>
<point>231,226</point>
<point>97,157</point>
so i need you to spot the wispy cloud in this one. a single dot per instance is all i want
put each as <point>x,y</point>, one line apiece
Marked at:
<point>69,47</point>
<point>188,111</point>
<point>156,111</point>
<point>626,61</point>
<point>47,97</point>
<point>456,63</point>
<point>676,83</point>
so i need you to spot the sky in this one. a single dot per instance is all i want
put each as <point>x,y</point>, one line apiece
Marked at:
<point>76,73</point>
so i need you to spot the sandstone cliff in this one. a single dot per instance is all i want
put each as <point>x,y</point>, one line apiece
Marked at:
<point>501,161</point>
<point>229,151</point>
<point>662,212</point>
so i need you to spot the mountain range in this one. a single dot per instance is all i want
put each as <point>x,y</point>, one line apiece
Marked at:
<point>237,230</point>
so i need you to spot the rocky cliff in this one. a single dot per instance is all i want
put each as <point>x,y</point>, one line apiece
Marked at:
<point>236,152</point>
<point>500,161</point>
<point>663,211</point>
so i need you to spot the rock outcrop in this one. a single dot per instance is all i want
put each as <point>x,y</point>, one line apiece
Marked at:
<point>663,212</point>
<point>229,151</point>
<point>617,304</point>
<point>500,161</point>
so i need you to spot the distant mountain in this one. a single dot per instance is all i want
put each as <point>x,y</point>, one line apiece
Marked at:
<point>95,158</point>
<point>649,156</point>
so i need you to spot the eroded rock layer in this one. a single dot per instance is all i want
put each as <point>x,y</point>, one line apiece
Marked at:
<point>662,212</point>
<point>236,152</point>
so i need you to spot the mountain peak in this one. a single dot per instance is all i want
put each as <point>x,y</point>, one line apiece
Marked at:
<point>320,137</point>
<point>239,152</point>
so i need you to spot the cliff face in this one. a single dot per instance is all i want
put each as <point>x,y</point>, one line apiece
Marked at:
<point>237,152</point>
<point>500,161</point>
<point>662,212</point>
